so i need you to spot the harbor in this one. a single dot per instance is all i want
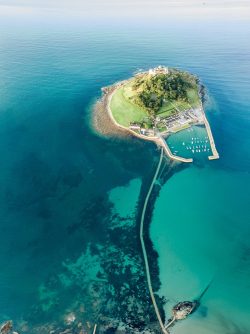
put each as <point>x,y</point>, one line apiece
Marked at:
<point>190,143</point>
<point>182,121</point>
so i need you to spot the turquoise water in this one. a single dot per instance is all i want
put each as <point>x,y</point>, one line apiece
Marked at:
<point>69,241</point>
<point>201,242</point>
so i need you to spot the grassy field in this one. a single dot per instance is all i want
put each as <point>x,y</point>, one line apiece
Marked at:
<point>123,111</point>
<point>128,91</point>
<point>193,97</point>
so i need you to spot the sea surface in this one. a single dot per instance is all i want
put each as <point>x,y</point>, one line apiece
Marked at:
<point>66,193</point>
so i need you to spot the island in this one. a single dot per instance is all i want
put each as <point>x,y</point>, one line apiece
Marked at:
<point>156,103</point>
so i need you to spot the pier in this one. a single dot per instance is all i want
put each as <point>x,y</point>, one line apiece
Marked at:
<point>157,312</point>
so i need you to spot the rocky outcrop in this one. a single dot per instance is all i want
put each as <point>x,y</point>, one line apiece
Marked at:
<point>183,309</point>
<point>6,328</point>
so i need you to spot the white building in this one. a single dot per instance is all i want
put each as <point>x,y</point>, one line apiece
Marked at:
<point>158,70</point>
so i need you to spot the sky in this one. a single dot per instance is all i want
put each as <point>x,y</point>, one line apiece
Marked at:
<point>117,3</point>
<point>125,8</point>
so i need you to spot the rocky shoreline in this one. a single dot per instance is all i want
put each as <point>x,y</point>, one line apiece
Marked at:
<point>101,121</point>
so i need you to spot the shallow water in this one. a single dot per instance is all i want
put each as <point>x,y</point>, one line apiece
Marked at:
<point>68,197</point>
<point>201,243</point>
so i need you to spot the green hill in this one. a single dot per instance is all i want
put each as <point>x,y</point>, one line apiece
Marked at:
<point>147,95</point>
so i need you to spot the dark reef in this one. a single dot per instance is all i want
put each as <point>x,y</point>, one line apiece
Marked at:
<point>106,285</point>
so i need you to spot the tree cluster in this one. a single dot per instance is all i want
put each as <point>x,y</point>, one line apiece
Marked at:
<point>152,91</point>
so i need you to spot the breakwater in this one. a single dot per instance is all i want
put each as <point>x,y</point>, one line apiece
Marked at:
<point>211,139</point>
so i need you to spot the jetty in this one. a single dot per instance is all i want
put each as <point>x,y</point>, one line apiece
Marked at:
<point>182,309</point>
<point>144,251</point>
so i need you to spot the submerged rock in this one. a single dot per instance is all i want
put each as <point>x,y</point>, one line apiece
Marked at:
<point>70,318</point>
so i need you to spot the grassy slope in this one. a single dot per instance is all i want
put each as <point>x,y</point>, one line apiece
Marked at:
<point>193,97</point>
<point>123,110</point>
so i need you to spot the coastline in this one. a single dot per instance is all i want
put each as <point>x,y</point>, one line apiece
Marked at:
<point>102,123</point>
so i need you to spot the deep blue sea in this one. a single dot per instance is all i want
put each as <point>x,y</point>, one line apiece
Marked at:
<point>66,193</point>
